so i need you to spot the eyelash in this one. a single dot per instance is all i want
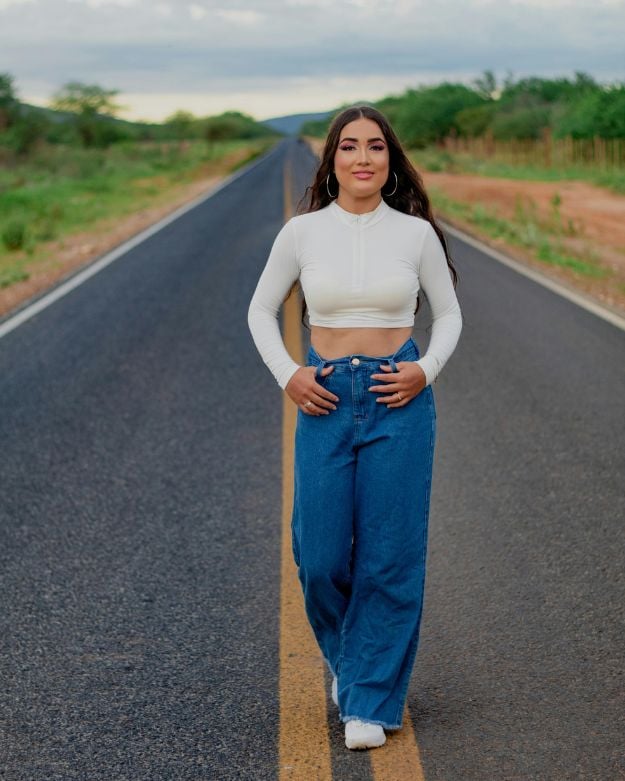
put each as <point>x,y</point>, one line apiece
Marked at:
<point>351,146</point>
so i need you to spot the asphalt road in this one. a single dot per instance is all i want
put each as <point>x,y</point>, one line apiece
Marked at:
<point>140,478</point>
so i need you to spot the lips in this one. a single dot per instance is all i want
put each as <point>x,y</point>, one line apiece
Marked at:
<point>363,175</point>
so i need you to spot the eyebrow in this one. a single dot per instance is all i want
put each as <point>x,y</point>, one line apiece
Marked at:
<point>348,138</point>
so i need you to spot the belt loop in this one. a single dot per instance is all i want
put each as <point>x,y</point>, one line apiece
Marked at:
<point>398,351</point>
<point>320,366</point>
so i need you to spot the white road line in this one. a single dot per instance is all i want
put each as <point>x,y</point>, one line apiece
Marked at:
<point>577,298</point>
<point>97,265</point>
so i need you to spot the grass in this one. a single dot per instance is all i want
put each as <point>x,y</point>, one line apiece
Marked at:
<point>541,236</point>
<point>435,159</point>
<point>60,190</point>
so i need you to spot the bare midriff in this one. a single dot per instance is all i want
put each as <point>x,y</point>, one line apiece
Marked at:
<point>332,343</point>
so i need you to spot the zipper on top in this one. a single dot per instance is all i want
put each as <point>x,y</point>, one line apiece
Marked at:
<point>358,259</point>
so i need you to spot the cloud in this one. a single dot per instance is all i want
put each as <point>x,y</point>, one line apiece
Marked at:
<point>98,3</point>
<point>210,47</point>
<point>243,17</point>
<point>163,9</point>
<point>6,3</point>
<point>197,11</point>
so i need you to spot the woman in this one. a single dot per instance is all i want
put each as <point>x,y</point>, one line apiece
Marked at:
<point>361,251</point>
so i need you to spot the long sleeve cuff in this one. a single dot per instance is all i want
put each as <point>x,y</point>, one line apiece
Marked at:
<point>285,375</point>
<point>429,365</point>
<point>446,315</point>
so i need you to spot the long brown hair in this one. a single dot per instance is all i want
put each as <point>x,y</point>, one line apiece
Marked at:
<point>409,196</point>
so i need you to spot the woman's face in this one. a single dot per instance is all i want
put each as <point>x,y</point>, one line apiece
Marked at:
<point>361,148</point>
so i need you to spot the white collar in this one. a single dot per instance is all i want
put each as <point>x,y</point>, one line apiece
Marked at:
<point>367,218</point>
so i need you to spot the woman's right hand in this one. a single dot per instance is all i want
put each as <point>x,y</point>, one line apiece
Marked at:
<point>303,387</point>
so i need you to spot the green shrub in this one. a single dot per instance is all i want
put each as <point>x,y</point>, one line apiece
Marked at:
<point>12,274</point>
<point>14,234</point>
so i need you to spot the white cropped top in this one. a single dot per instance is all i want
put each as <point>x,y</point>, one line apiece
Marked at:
<point>356,270</point>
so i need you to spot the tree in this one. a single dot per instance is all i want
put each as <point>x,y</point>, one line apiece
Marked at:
<point>181,123</point>
<point>9,105</point>
<point>429,113</point>
<point>90,103</point>
<point>486,85</point>
<point>21,126</point>
<point>232,124</point>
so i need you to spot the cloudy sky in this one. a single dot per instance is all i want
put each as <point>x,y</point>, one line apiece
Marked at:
<point>274,57</point>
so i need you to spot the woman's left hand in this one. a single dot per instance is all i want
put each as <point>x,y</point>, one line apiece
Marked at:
<point>408,381</point>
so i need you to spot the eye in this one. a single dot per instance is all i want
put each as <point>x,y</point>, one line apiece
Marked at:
<point>377,147</point>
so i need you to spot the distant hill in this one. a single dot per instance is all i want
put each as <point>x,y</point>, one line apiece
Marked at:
<point>63,116</point>
<point>289,124</point>
<point>292,123</point>
<point>66,126</point>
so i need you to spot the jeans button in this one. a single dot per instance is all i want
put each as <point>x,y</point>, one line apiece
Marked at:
<point>355,361</point>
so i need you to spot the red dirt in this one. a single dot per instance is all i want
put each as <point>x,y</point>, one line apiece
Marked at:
<point>597,214</point>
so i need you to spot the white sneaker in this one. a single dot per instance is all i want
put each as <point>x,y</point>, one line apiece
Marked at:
<point>361,734</point>
<point>335,690</point>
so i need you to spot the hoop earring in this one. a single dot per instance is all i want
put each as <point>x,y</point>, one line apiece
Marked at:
<point>386,195</point>
<point>328,188</point>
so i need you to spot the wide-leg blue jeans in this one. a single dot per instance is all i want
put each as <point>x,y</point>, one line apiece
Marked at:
<point>362,479</point>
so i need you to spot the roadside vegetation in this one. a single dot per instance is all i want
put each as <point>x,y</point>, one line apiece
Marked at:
<point>530,129</point>
<point>472,142</point>
<point>75,166</point>
<point>543,235</point>
<point>74,170</point>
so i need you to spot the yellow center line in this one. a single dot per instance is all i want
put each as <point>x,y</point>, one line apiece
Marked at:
<point>304,742</point>
<point>398,759</point>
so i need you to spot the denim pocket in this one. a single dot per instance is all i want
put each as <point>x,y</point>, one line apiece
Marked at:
<point>325,379</point>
